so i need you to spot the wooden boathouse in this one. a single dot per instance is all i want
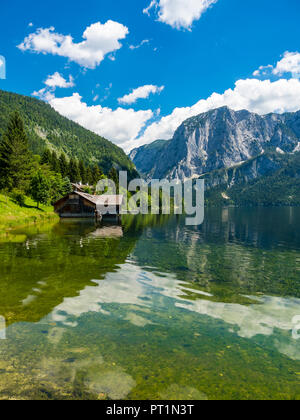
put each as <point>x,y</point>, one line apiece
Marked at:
<point>81,205</point>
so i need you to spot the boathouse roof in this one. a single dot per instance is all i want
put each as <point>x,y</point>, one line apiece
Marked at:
<point>102,200</point>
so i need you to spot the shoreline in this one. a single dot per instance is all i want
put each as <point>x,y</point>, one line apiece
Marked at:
<point>19,223</point>
<point>13,216</point>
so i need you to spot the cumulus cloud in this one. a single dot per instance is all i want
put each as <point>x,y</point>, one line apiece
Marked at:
<point>44,94</point>
<point>179,13</point>
<point>263,71</point>
<point>254,95</point>
<point>129,128</point>
<point>98,41</point>
<point>142,92</point>
<point>121,126</point>
<point>288,65</point>
<point>57,80</point>
<point>52,82</point>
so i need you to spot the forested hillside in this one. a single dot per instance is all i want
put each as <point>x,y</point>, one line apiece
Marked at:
<point>27,178</point>
<point>276,187</point>
<point>46,128</point>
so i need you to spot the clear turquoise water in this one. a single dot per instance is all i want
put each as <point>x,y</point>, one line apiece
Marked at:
<point>153,309</point>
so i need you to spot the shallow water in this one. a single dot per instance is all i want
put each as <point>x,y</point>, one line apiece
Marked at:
<point>153,309</point>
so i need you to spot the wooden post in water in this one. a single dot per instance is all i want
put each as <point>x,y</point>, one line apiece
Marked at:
<point>98,216</point>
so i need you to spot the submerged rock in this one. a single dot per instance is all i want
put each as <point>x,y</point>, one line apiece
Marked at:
<point>177,392</point>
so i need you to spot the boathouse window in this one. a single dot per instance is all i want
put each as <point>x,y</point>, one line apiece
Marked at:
<point>74,197</point>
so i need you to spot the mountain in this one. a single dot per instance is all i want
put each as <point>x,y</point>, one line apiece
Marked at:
<point>269,179</point>
<point>265,164</point>
<point>219,139</point>
<point>46,128</point>
<point>145,157</point>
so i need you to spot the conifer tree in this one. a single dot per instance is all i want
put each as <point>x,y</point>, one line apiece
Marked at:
<point>55,163</point>
<point>113,175</point>
<point>82,172</point>
<point>89,176</point>
<point>74,174</point>
<point>63,165</point>
<point>97,174</point>
<point>46,157</point>
<point>15,157</point>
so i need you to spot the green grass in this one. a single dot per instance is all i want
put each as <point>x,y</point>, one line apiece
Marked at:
<point>13,216</point>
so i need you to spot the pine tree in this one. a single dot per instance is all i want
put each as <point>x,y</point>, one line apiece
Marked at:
<point>15,157</point>
<point>97,174</point>
<point>46,157</point>
<point>113,175</point>
<point>55,163</point>
<point>63,165</point>
<point>89,176</point>
<point>82,172</point>
<point>74,174</point>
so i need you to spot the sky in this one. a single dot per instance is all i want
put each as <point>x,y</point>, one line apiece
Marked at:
<point>134,70</point>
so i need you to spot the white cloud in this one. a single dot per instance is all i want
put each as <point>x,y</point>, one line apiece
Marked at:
<point>136,47</point>
<point>179,13</point>
<point>124,126</point>
<point>52,82</point>
<point>57,80</point>
<point>153,4</point>
<point>99,40</point>
<point>290,63</point>
<point>263,71</point>
<point>121,126</point>
<point>257,96</point>
<point>142,92</point>
<point>44,94</point>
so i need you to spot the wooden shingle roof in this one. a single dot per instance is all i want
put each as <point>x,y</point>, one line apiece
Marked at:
<point>103,200</point>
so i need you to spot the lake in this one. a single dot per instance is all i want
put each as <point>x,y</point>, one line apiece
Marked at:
<point>153,309</point>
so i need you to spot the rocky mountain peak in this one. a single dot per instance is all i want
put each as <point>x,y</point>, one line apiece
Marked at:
<point>219,138</point>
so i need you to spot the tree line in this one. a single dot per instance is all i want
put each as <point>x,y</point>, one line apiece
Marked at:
<point>44,178</point>
<point>75,170</point>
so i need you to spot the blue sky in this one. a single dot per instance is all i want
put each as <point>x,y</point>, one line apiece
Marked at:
<point>188,57</point>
